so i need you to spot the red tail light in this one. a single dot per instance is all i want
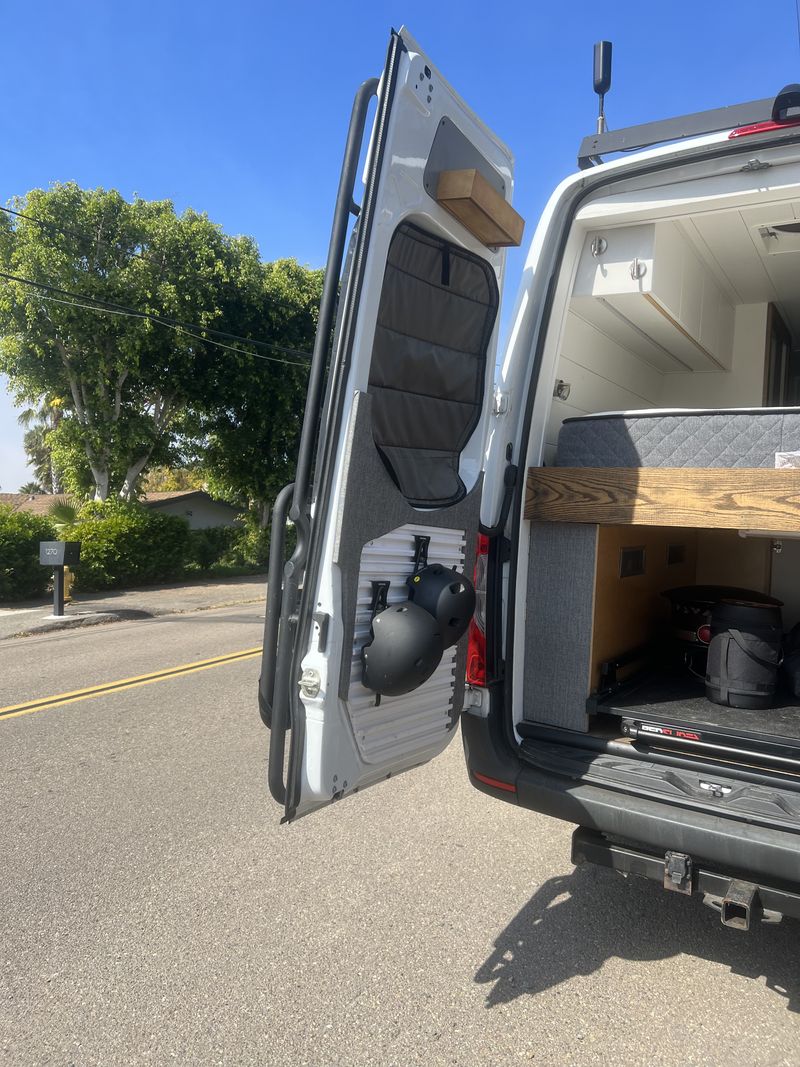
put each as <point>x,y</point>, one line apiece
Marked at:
<point>785,112</point>
<point>476,648</point>
<point>762,127</point>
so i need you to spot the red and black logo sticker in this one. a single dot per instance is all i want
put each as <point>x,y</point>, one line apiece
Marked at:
<point>670,731</point>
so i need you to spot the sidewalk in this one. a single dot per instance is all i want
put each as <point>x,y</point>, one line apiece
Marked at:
<point>34,616</point>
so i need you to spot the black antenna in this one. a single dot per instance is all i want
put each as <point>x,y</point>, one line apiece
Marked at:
<point>602,79</point>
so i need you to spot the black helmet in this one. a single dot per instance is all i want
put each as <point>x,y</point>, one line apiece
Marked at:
<point>404,650</point>
<point>446,595</point>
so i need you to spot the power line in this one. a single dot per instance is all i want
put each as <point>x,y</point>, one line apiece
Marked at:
<point>178,329</point>
<point>67,232</point>
<point>48,225</point>
<point>164,320</point>
<point>132,313</point>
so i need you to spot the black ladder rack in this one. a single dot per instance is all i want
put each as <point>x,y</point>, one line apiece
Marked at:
<point>676,129</point>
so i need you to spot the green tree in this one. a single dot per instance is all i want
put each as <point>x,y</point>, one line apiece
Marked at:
<point>248,443</point>
<point>170,479</point>
<point>126,380</point>
<point>31,488</point>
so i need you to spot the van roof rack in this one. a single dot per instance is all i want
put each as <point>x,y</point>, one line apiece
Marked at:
<point>652,133</point>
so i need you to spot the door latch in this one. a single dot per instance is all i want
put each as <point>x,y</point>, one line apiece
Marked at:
<point>716,789</point>
<point>310,683</point>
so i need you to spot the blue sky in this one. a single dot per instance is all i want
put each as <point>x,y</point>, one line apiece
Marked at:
<point>240,109</point>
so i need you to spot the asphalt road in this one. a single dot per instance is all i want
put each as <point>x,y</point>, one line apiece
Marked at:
<point>152,910</point>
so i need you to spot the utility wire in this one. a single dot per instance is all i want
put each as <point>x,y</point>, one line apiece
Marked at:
<point>64,231</point>
<point>48,225</point>
<point>164,320</point>
<point>177,329</point>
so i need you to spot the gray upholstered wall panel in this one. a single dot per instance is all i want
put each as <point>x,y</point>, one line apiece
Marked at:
<point>371,505</point>
<point>558,628</point>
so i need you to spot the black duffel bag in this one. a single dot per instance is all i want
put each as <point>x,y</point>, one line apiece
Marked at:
<point>745,653</point>
<point>791,660</point>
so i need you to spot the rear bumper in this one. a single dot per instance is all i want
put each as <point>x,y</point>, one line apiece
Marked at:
<point>766,902</point>
<point>728,846</point>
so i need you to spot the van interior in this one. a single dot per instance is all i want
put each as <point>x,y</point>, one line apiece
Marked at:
<point>679,306</point>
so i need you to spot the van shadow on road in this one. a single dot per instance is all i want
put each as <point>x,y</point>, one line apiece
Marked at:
<point>573,924</point>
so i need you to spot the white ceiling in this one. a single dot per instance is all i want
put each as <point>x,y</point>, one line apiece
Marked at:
<point>753,266</point>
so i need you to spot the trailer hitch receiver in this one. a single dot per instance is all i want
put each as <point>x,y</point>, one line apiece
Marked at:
<point>741,906</point>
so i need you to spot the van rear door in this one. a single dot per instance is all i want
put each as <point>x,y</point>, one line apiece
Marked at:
<point>396,431</point>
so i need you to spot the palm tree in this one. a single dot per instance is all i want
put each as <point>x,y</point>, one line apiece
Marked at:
<point>38,423</point>
<point>31,488</point>
<point>63,514</point>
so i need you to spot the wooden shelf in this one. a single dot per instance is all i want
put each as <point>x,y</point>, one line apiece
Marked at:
<point>730,498</point>
<point>486,214</point>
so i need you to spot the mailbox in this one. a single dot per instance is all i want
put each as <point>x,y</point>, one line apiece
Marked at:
<point>59,553</point>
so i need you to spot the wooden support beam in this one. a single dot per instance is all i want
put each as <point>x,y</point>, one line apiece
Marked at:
<point>733,498</point>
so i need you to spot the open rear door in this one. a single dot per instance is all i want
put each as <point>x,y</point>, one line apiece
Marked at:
<point>395,429</point>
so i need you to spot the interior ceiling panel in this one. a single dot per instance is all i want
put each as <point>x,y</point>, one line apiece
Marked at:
<point>780,256</point>
<point>768,213</point>
<point>758,267</point>
<point>727,238</point>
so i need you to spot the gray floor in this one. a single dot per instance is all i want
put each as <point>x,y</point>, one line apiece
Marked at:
<point>152,910</point>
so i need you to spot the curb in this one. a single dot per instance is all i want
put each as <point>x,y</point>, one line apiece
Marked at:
<point>73,622</point>
<point>101,618</point>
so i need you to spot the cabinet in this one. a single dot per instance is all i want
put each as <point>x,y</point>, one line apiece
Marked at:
<point>646,287</point>
<point>586,605</point>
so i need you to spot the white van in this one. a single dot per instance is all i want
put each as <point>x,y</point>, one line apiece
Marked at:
<point>640,439</point>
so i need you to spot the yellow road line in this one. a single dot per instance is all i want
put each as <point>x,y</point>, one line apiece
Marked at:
<point>43,703</point>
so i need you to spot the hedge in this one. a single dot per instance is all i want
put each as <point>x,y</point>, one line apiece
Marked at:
<point>243,548</point>
<point>128,544</point>
<point>21,575</point>
<point>213,545</point>
<point>124,544</point>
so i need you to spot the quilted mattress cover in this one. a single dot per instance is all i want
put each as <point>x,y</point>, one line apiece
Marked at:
<point>683,437</point>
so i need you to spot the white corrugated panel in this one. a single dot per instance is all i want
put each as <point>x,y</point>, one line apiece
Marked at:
<point>421,718</point>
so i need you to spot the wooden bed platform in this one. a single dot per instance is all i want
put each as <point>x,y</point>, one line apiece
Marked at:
<point>733,498</point>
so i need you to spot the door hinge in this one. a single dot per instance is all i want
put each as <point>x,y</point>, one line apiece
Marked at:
<point>754,165</point>
<point>500,405</point>
<point>474,703</point>
<point>310,683</point>
<point>322,619</point>
<point>678,872</point>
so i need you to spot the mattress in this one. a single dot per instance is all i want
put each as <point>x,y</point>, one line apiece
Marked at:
<point>687,437</point>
